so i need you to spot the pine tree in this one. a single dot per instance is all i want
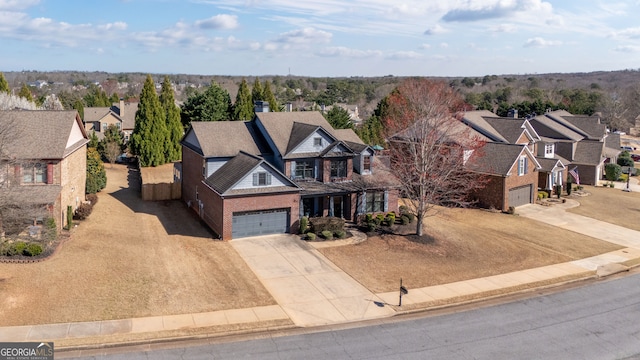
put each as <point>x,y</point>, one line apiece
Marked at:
<point>25,93</point>
<point>269,97</point>
<point>339,118</point>
<point>4,85</point>
<point>243,108</point>
<point>256,92</point>
<point>79,106</point>
<point>150,131</point>
<point>173,150</point>
<point>93,140</point>
<point>212,105</point>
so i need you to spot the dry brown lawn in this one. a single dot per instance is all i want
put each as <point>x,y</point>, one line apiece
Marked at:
<point>611,205</point>
<point>464,244</point>
<point>129,259</point>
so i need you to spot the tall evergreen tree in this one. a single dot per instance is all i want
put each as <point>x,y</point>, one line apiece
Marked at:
<point>4,85</point>
<point>269,97</point>
<point>150,131</point>
<point>173,150</point>
<point>96,176</point>
<point>212,105</point>
<point>339,118</point>
<point>243,108</point>
<point>79,106</point>
<point>25,93</point>
<point>256,91</point>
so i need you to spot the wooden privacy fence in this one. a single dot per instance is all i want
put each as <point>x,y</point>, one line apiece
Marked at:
<point>162,182</point>
<point>162,191</point>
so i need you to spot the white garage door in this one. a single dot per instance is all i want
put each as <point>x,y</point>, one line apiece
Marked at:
<point>256,223</point>
<point>520,196</point>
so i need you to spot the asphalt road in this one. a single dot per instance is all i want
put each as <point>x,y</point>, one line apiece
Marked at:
<point>597,321</point>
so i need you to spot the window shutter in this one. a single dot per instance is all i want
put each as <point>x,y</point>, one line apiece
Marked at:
<point>49,173</point>
<point>386,200</point>
<point>315,169</point>
<point>255,179</point>
<point>526,165</point>
<point>293,170</point>
<point>363,202</point>
<point>268,179</point>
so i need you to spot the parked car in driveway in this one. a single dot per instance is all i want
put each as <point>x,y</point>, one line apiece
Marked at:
<point>635,157</point>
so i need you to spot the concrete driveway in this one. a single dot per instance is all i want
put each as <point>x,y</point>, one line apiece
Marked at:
<point>309,288</point>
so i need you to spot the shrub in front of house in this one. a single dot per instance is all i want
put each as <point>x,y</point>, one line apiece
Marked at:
<point>311,236</point>
<point>304,223</point>
<point>405,220</point>
<point>92,198</point>
<point>328,235</point>
<point>32,249</point>
<point>83,211</point>
<point>612,171</point>
<point>340,234</point>
<point>331,224</point>
<point>391,218</point>
<point>371,226</point>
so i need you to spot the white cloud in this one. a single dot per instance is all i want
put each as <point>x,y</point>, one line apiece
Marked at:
<point>627,48</point>
<point>13,5</point>
<point>404,55</point>
<point>541,43</point>
<point>221,21</point>
<point>307,36</point>
<point>341,51</point>
<point>444,45</point>
<point>119,25</point>
<point>629,33</point>
<point>474,10</point>
<point>425,46</point>
<point>503,28</point>
<point>435,30</point>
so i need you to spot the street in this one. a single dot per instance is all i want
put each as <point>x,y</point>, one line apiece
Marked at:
<point>596,321</point>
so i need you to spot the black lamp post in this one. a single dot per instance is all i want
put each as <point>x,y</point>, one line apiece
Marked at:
<point>628,188</point>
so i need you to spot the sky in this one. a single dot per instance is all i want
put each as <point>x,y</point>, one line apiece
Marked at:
<point>320,37</point>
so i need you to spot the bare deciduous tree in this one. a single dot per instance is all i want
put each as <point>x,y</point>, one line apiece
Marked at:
<point>429,147</point>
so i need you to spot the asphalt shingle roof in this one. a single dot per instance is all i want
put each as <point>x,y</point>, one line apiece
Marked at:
<point>509,128</point>
<point>224,138</point>
<point>279,125</point>
<point>549,128</point>
<point>232,171</point>
<point>41,134</point>
<point>496,158</point>
<point>589,152</point>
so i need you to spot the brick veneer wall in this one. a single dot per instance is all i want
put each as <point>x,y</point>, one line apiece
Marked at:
<point>191,176</point>
<point>495,194</point>
<point>71,173</point>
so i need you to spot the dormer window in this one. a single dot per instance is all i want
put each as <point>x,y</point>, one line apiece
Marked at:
<point>317,141</point>
<point>366,163</point>
<point>548,150</point>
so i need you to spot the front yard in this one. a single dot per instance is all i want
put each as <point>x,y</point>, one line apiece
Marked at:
<point>129,259</point>
<point>465,244</point>
<point>611,205</point>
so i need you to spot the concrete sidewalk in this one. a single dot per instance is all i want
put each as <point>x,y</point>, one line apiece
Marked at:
<point>312,291</point>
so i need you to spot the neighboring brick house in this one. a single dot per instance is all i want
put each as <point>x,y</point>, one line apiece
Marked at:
<point>579,142</point>
<point>45,162</point>
<point>260,177</point>
<point>121,115</point>
<point>507,158</point>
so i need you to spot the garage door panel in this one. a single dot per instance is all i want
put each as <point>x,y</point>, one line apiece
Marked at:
<point>520,196</point>
<point>260,223</point>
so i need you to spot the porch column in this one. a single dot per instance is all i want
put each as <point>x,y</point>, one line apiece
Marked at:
<point>330,205</point>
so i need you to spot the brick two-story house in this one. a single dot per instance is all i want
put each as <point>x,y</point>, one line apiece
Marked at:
<point>260,177</point>
<point>44,162</point>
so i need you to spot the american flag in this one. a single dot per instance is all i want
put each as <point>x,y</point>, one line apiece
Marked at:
<point>574,173</point>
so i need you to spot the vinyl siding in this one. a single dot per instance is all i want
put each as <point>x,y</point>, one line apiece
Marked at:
<point>247,181</point>
<point>307,146</point>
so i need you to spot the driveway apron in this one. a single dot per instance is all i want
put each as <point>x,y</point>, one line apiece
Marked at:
<point>310,289</point>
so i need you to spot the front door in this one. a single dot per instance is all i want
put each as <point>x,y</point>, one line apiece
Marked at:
<point>337,206</point>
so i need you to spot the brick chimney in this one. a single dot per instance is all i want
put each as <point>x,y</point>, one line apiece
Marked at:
<point>121,107</point>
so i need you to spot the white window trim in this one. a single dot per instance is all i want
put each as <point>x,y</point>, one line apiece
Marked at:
<point>522,165</point>
<point>549,150</point>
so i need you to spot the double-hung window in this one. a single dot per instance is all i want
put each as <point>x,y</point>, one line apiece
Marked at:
<point>548,150</point>
<point>339,168</point>
<point>34,173</point>
<point>375,201</point>
<point>522,166</point>
<point>366,163</point>
<point>304,169</point>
